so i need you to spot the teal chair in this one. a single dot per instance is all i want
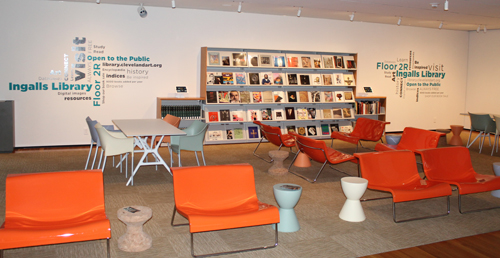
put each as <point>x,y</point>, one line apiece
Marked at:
<point>193,141</point>
<point>497,134</point>
<point>483,124</point>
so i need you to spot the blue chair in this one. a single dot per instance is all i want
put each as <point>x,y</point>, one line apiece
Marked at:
<point>483,124</point>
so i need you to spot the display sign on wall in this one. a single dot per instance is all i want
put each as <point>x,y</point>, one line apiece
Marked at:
<point>416,78</point>
<point>88,71</point>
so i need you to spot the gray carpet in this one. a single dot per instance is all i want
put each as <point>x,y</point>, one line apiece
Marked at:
<point>322,233</point>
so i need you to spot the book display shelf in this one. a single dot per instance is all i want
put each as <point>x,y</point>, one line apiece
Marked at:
<point>373,107</point>
<point>311,93</point>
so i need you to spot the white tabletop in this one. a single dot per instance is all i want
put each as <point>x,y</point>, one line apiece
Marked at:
<point>146,127</point>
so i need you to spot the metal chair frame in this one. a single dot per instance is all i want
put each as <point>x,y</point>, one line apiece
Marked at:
<point>483,133</point>
<point>261,139</point>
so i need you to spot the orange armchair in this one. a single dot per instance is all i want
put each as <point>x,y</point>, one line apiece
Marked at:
<point>273,135</point>
<point>366,129</point>
<point>318,151</point>
<point>53,208</point>
<point>452,165</point>
<point>413,139</point>
<point>396,172</point>
<point>220,197</point>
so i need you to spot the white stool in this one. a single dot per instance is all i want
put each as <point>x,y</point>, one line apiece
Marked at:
<point>496,169</point>
<point>354,188</point>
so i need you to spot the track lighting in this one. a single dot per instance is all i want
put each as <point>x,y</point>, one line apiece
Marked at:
<point>441,25</point>
<point>239,8</point>
<point>173,4</point>
<point>484,29</point>
<point>299,12</point>
<point>142,11</point>
<point>352,17</point>
<point>446,5</point>
<point>399,21</point>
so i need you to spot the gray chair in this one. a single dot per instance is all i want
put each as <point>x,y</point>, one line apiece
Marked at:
<point>483,124</point>
<point>192,141</point>
<point>94,140</point>
<point>497,134</point>
<point>114,143</point>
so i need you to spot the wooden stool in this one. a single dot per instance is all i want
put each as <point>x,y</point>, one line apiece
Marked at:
<point>278,156</point>
<point>135,239</point>
<point>456,140</point>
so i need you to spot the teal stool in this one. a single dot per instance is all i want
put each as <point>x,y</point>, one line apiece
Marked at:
<point>287,196</point>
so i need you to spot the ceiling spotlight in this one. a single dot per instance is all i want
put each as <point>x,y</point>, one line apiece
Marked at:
<point>299,12</point>
<point>441,25</point>
<point>239,7</point>
<point>484,29</point>
<point>142,11</point>
<point>97,1</point>
<point>399,21</point>
<point>351,16</point>
<point>173,4</point>
<point>446,5</point>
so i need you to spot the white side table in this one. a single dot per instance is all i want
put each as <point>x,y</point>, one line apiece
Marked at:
<point>354,188</point>
<point>496,169</point>
<point>287,196</point>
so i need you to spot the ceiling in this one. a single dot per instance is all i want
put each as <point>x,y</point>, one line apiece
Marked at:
<point>464,15</point>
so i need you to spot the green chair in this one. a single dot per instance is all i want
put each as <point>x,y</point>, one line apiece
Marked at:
<point>483,124</point>
<point>497,134</point>
<point>193,141</point>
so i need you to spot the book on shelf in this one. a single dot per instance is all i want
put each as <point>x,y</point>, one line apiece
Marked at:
<point>334,127</point>
<point>311,113</point>
<point>212,97</point>
<point>328,62</point>
<point>301,114</point>
<point>279,114</point>
<point>266,78</point>
<point>279,96</point>
<point>337,113</point>
<point>240,59</point>
<point>346,128</point>
<point>267,96</point>
<point>211,78</point>
<point>317,61</point>
<point>339,61</point>
<point>301,130</point>
<point>303,96</point>
<point>325,129</point>
<point>328,96</point>
<point>327,80</point>
<point>292,96</point>
<point>349,62</point>
<point>305,79</point>
<point>226,59</point>
<point>316,96</point>
<point>223,96</point>
<point>265,60</point>
<point>305,61</point>
<point>238,133</point>
<point>227,78</point>
<point>316,79</point>
<point>278,78</point>
<point>349,79</point>
<point>290,113</point>
<point>312,130</point>
<point>348,96</point>
<point>240,78</point>
<point>292,79</point>
<point>368,107</point>
<point>238,115</point>
<point>253,132</point>
<point>327,113</point>
<point>229,134</point>
<point>257,97</point>
<point>338,79</point>
<point>182,111</point>
<point>245,97</point>
<point>215,135</point>
<point>292,61</point>
<point>213,58</point>
<point>254,78</point>
<point>234,96</point>
<point>253,59</point>
<point>279,60</point>
<point>347,113</point>
<point>254,115</point>
<point>290,129</point>
<point>267,114</point>
<point>339,96</point>
<point>213,116</point>
<point>225,115</point>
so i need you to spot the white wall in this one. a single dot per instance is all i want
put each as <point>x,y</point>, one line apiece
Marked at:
<point>483,81</point>
<point>36,36</point>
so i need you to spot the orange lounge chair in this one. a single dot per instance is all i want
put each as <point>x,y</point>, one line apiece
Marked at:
<point>366,129</point>
<point>274,136</point>
<point>452,165</point>
<point>413,139</point>
<point>318,151</point>
<point>396,172</point>
<point>54,208</point>
<point>220,197</point>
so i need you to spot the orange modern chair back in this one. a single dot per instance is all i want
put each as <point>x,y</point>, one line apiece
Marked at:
<point>366,129</point>
<point>220,197</point>
<point>396,172</point>
<point>319,152</point>
<point>413,139</point>
<point>273,135</point>
<point>53,208</point>
<point>453,165</point>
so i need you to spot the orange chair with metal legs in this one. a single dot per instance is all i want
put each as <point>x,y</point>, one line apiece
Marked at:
<point>452,165</point>
<point>412,139</point>
<point>54,208</point>
<point>273,135</point>
<point>318,151</point>
<point>366,129</point>
<point>396,172</point>
<point>220,197</point>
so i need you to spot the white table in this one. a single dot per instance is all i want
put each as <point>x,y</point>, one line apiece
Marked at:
<point>141,130</point>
